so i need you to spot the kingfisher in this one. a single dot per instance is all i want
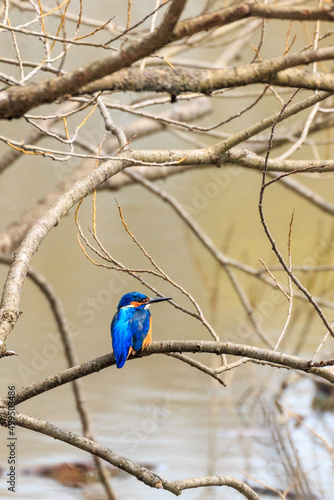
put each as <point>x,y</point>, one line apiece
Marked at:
<point>131,327</point>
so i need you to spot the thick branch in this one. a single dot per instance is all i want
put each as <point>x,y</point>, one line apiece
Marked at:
<point>304,80</point>
<point>180,79</point>
<point>164,347</point>
<point>250,160</point>
<point>250,9</point>
<point>15,101</point>
<point>232,482</point>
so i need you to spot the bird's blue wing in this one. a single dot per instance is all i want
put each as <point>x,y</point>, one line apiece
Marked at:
<point>140,327</point>
<point>121,337</point>
<point>129,328</point>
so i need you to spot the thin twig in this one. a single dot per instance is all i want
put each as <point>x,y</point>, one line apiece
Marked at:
<point>271,239</point>
<point>290,288</point>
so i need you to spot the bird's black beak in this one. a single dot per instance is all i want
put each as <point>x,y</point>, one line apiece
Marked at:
<point>157,299</point>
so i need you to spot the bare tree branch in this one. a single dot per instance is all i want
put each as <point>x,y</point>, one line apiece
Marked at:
<point>205,81</point>
<point>50,90</point>
<point>141,473</point>
<point>280,359</point>
<point>250,9</point>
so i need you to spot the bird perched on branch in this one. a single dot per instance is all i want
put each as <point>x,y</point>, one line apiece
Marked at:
<point>131,327</point>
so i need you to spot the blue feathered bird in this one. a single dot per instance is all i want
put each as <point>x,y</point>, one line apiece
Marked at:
<point>131,327</point>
